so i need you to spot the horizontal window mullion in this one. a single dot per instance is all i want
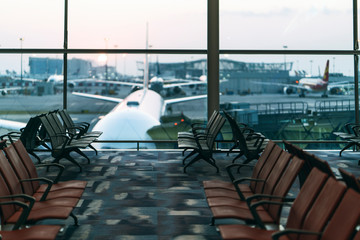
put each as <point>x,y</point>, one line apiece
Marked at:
<point>175,51</point>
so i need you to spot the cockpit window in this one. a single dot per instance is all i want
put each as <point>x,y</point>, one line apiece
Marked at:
<point>132,104</point>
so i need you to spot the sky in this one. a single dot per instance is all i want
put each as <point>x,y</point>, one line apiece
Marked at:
<point>181,24</point>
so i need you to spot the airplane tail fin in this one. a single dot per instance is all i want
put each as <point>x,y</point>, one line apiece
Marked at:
<point>326,72</point>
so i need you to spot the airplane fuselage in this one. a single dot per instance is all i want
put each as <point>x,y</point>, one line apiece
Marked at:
<point>313,84</point>
<point>131,119</point>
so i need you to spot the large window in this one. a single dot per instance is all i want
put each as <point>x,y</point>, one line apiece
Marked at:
<point>271,55</point>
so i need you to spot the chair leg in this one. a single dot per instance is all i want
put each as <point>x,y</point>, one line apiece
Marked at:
<point>183,152</point>
<point>230,150</point>
<point>209,160</point>
<point>195,159</point>
<point>347,147</point>
<point>238,156</point>
<point>82,154</point>
<point>76,222</point>
<point>71,159</point>
<point>190,154</point>
<point>92,147</point>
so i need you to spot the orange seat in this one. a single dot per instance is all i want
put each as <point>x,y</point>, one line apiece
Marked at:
<point>267,213</point>
<point>37,232</point>
<point>312,209</point>
<point>31,169</point>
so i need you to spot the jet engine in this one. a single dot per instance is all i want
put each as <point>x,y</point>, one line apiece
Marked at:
<point>3,92</point>
<point>336,91</point>
<point>288,90</point>
<point>71,84</point>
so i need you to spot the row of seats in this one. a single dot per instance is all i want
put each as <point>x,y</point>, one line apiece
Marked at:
<point>24,201</point>
<point>325,207</point>
<point>200,140</point>
<point>58,129</point>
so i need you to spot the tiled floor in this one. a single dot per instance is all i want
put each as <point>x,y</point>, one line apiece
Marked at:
<point>146,195</point>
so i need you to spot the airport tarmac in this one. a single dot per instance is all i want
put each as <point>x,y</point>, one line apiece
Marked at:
<point>22,107</point>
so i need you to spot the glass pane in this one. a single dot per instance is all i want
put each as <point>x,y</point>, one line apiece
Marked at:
<point>120,24</point>
<point>279,97</point>
<point>30,93</point>
<point>307,24</point>
<point>156,114</point>
<point>39,23</point>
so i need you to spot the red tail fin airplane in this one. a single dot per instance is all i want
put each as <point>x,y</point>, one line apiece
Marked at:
<point>311,84</point>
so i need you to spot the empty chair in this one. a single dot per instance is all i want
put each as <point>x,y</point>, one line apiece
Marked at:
<point>37,232</point>
<point>268,213</point>
<point>14,168</point>
<point>256,184</point>
<point>29,135</point>
<point>31,169</point>
<point>39,210</point>
<point>311,211</point>
<point>203,146</point>
<point>267,153</point>
<point>250,145</point>
<point>62,145</point>
<point>80,129</point>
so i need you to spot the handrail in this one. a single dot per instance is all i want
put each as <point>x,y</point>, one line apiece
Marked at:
<point>138,142</point>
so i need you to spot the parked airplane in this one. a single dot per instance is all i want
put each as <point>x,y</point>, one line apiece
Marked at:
<point>133,116</point>
<point>308,84</point>
<point>311,84</point>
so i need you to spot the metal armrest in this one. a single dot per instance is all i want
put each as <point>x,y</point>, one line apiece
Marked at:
<point>277,235</point>
<point>239,165</point>
<point>48,182</point>
<point>24,214</point>
<point>61,169</point>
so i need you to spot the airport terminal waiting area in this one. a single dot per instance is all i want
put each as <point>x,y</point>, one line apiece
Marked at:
<point>147,195</point>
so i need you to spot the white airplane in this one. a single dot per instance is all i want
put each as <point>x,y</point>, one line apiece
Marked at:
<point>133,116</point>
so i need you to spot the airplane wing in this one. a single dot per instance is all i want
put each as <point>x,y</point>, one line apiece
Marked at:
<point>131,84</point>
<point>171,85</point>
<point>5,91</point>
<point>29,79</point>
<point>282,85</point>
<point>93,96</point>
<point>184,99</point>
<point>11,125</point>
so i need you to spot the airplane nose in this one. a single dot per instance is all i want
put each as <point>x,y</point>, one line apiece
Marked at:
<point>130,124</point>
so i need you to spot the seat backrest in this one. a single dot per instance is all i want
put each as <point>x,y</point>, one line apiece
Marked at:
<point>283,185</point>
<point>66,118</point>
<point>19,169</point>
<point>214,131</point>
<point>212,119</point>
<point>28,163</point>
<point>297,151</point>
<point>346,217</point>
<point>9,175</point>
<point>237,134</point>
<point>319,163</point>
<point>350,180</point>
<point>68,122</point>
<point>266,169</point>
<point>262,159</point>
<point>276,173</point>
<point>6,210</point>
<point>55,122</point>
<point>55,139</point>
<point>306,198</point>
<point>323,207</point>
